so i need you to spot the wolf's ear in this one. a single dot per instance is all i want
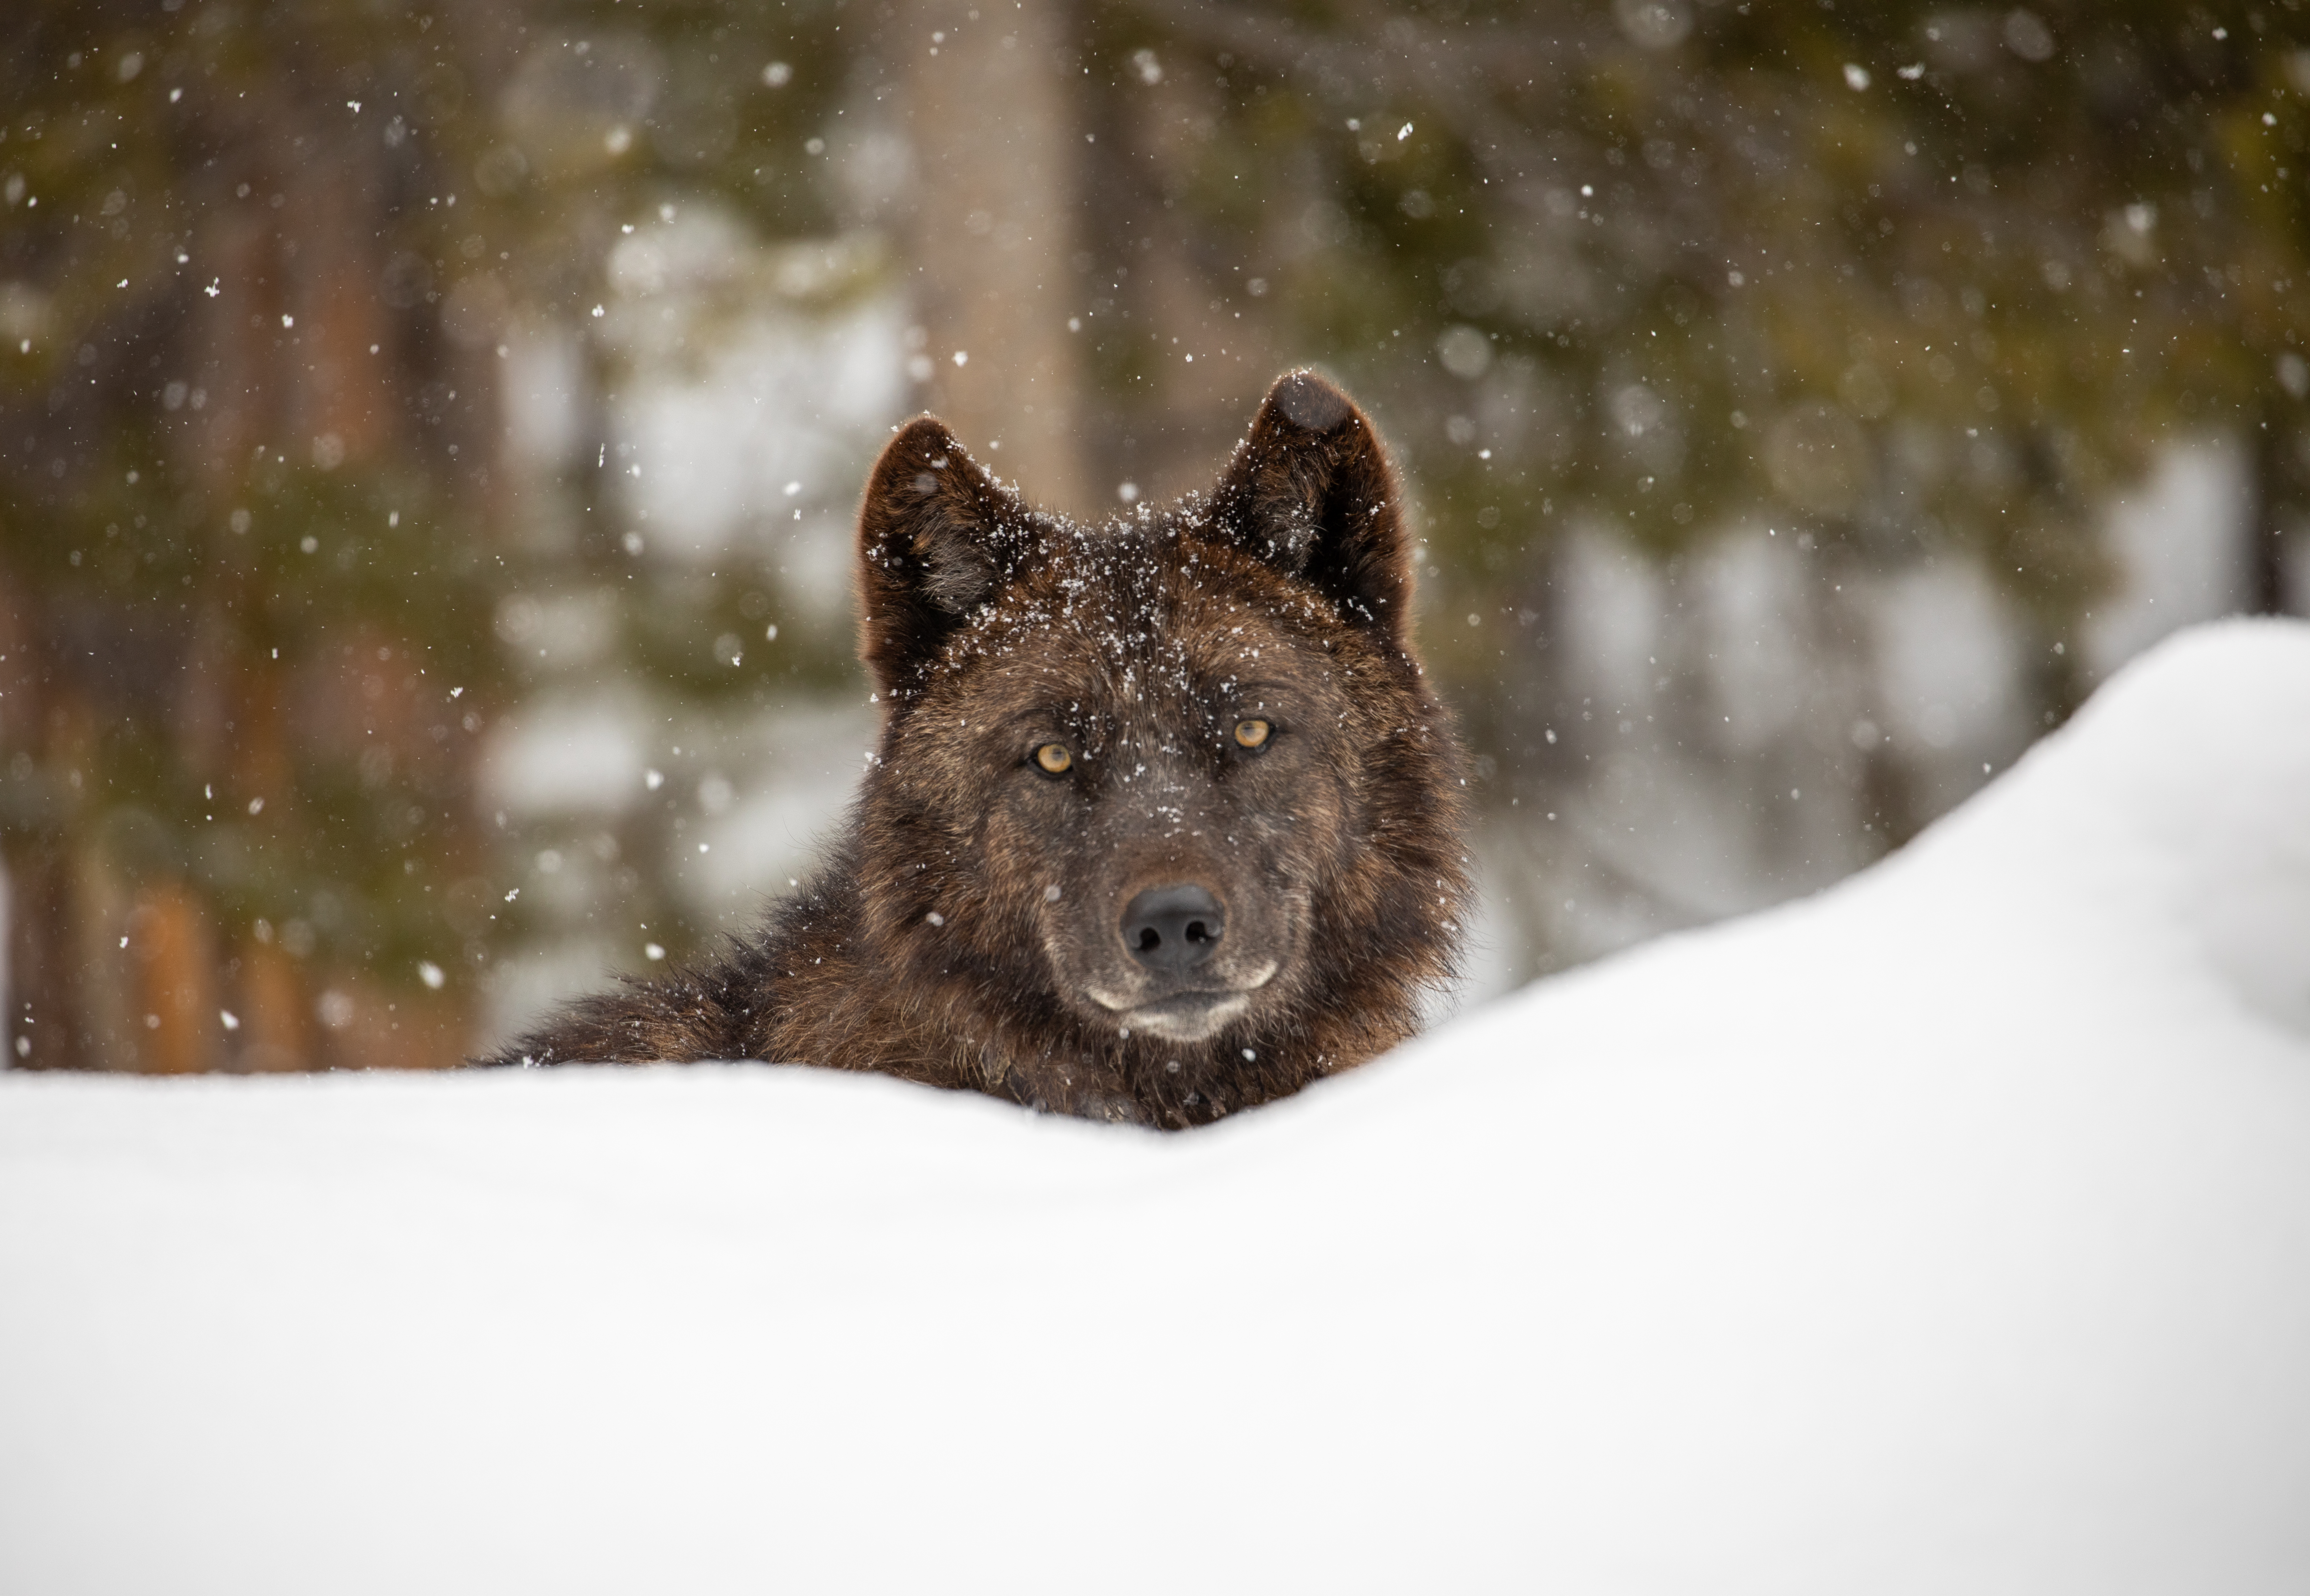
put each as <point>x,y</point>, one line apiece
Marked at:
<point>936,537</point>
<point>1311,492</point>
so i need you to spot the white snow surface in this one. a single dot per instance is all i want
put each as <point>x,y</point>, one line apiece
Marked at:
<point>1949,1230</point>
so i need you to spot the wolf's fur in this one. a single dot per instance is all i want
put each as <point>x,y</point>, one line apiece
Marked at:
<point>968,929</point>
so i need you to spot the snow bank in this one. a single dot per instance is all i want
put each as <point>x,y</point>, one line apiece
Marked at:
<point>1949,1230</point>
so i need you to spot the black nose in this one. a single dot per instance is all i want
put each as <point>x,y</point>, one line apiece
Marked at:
<point>1169,929</point>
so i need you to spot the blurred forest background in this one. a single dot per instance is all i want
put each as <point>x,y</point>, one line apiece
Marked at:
<point>429,433</point>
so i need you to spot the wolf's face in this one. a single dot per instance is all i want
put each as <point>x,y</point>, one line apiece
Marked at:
<point>1142,775</point>
<point>1144,755</point>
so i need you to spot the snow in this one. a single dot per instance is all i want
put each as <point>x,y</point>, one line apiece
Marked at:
<point>2181,545</point>
<point>1950,667</point>
<point>1696,697</point>
<point>1949,1230</point>
<point>800,378</point>
<point>569,750</point>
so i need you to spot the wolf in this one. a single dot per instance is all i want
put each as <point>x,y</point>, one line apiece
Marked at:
<point>1164,821</point>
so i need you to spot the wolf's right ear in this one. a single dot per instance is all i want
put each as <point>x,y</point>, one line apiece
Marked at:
<point>936,537</point>
<point>1311,492</point>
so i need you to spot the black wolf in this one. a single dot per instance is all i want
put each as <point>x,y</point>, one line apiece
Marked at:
<point>1165,821</point>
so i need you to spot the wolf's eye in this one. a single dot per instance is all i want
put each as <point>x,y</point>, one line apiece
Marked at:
<point>1055,758</point>
<point>1252,734</point>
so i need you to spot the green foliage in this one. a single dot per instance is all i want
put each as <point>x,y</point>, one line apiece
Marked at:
<point>1885,270</point>
<point>238,671</point>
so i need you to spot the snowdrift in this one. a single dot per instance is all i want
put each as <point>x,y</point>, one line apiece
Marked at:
<point>1947,1231</point>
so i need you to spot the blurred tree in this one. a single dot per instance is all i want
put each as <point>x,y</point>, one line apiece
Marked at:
<point>1660,213</point>
<point>247,446</point>
<point>993,115</point>
<point>1898,278</point>
<point>668,173</point>
<point>257,266</point>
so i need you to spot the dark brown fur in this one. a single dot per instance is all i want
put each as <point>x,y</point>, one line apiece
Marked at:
<point>966,931</point>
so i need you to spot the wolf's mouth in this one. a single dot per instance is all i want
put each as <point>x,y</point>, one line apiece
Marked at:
<point>1186,1016</point>
<point>1183,1016</point>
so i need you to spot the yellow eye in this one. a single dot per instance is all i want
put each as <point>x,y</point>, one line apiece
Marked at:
<point>1251,733</point>
<point>1055,758</point>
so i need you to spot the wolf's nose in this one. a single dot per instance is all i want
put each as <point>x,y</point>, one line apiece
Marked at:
<point>1170,929</point>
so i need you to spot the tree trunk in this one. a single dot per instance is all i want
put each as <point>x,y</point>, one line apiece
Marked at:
<point>995,127</point>
<point>2277,449</point>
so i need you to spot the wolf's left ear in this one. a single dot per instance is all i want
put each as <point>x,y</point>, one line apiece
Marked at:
<point>1311,491</point>
<point>936,537</point>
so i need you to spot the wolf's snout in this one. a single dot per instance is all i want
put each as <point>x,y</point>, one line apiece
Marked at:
<point>1173,929</point>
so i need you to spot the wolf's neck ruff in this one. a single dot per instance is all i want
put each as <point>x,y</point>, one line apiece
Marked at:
<point>1165,824</point>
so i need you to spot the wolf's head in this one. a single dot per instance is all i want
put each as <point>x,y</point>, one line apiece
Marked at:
<point>1171,791</point>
